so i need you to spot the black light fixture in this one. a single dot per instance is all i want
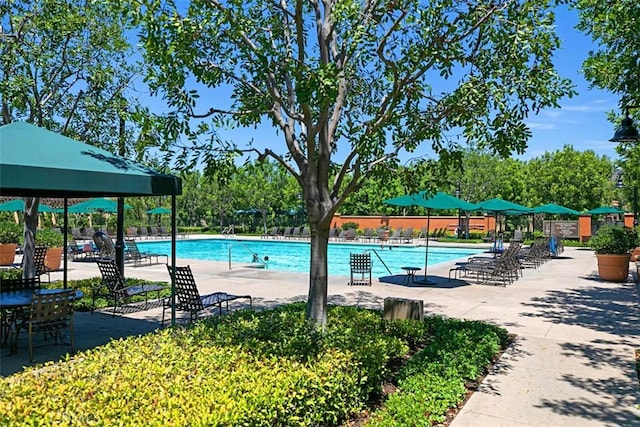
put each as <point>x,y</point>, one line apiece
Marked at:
<point>627,132</point>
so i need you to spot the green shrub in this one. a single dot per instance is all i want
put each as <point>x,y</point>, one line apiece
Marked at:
<point>49,238</point>
<point>433,380</point>
<point>11,273</point>
<point>10,232</point>
<point>350,225</point>
<point>257,369</point>
<point>614,239</point>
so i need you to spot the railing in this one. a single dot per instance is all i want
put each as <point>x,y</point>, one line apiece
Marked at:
<point>256,257</point>
<point>228,232</point>
<point>380,258</point>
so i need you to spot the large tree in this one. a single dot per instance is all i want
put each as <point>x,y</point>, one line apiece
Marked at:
<point>64,66</point>
<point>348,84</point>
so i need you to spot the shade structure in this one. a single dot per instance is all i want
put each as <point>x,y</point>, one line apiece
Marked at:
<point>605,210</point>
<point>159,211</point>
<point>96,205</point>
<point>36,162</point>
<point>17,205</point>
<point>439,201</point>
<point>554,209</point>
<point>499,206</point>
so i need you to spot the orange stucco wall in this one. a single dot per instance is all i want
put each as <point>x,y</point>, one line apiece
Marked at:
<point>476,223</point>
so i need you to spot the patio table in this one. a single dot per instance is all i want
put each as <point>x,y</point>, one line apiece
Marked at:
<point>12,304</point>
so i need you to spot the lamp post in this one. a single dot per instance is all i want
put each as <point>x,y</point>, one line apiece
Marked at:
<point>627,132</point>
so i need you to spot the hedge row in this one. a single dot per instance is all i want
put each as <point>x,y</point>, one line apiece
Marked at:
<point>244,369</point>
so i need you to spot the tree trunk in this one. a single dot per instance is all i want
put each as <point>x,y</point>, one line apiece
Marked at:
<point>317,299</point>
<point>30,226</point>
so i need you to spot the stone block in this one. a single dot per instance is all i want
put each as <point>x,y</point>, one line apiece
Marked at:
<point>400,308</point>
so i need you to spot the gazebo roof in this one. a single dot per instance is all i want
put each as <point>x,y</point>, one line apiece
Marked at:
<point>40,163</point>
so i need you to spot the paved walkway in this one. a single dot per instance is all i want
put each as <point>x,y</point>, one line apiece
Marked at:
<point>572,363</point>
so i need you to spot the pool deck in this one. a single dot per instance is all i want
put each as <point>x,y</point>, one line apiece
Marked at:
<point>572,362</point>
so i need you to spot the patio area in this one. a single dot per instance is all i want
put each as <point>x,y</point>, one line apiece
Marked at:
<point>572,363</point>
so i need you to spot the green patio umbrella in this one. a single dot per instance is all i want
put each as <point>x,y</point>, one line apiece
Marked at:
<point>99,204</point>
<point>159,211</point>
<point>605,210</point>
<point>553,209</point>
<point>17,205</point>
<point>439,201</point>
<point>498,206</point>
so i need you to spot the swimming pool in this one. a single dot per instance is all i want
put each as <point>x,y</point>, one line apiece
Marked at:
<point>294,256</point>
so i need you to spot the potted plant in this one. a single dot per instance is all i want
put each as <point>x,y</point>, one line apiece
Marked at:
<point>612,245</point>
<point>10,234</point>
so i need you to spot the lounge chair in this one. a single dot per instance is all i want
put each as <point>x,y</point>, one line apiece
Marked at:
<point>295,233</point>
<point>274,233</point>
<point>367,235</point>
<point>164,232</point>
<point>153,232</point>
<point>360,265</point>
<point>287,233</point>
<point>396,236</point>
<point>88,233</point>
<point>407,235</point>
<point>114,287</point>
<point>52,261</point>
<point>138,257</point>
<point>188,298</point>
<point>132,232</point>
<point>503,269</point>
<point>75,232</point>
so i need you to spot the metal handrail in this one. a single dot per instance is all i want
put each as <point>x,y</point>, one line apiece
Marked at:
<point>255,255</point>
<point>381,260</point>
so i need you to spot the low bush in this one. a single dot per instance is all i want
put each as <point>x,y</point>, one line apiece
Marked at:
<point>257,368</point>
<point>433,380</point>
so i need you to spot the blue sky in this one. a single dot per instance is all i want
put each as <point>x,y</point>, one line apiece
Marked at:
<point>582,120</point>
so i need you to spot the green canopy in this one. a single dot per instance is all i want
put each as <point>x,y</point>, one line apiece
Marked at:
<point>554,209</point>
<point>96,205</point>
<point>35,162</point>
<point>498,205</point>
<point>605,210</point>
<point>159,211</point>
<point>439,201</point>
<point>407,200</point>
<point>17,205</point>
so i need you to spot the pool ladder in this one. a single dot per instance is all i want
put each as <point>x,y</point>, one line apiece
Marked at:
<point>228,232</point>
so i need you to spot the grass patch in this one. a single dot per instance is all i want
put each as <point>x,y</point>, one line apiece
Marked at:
<point>262,369</point>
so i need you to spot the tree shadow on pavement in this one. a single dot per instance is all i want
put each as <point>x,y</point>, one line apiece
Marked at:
<point>606,307</point>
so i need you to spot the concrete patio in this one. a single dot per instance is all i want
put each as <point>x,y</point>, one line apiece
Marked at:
<point>572,363</point>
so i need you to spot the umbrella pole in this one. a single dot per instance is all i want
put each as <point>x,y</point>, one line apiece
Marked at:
<point>426,246</point>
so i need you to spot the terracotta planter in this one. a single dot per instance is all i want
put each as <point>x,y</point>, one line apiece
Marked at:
<point>7,253</point>
<point>635,254</point>
<point>613,268</point>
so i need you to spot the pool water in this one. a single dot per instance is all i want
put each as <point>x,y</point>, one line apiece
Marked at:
<point>294,256</point>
